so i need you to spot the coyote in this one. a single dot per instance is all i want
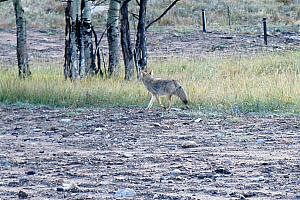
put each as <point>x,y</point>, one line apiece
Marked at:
<point>163,87</point>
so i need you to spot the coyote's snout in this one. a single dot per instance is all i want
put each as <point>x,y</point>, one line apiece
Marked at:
<point>163,87</point>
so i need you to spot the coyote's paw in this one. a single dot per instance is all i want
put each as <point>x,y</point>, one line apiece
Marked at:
<point>163,107</point>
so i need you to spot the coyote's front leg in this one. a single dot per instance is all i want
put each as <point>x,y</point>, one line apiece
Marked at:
<point>151,102</point>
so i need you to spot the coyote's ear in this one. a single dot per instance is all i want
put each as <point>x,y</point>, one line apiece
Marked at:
<point>151,72</point>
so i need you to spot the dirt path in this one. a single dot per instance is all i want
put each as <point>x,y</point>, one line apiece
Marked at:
<point>48,45</point>
<point>97,154</point>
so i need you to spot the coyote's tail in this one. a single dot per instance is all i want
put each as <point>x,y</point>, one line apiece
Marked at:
<point>182,95</point>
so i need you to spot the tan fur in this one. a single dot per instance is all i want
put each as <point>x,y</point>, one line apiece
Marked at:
<point>163,87</point>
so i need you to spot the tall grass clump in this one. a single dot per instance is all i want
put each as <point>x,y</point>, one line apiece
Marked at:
<point>239,84</point>
<point>249,83</point>
<point>47,86</point>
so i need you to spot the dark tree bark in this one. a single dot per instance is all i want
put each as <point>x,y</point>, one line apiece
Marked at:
<point>126,42</point>
<point>113,38</point>
<point>67,69</point>
<point>141,40</point>
<point>79,55</point>
<point>22,54</point>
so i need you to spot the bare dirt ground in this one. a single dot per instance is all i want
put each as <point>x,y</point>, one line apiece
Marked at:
<point>48,153</point>
<point>48,45</point>
<point>116,153</point>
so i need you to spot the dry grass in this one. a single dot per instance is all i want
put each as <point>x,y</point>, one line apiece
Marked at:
<point>245,15</point>
<point>244,84</point>
<point>232,84</point>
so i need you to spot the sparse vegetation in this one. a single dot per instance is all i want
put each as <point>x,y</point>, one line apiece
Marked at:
<point>255,83</point>
<point>236,84</point>
<point>245,15</point>
<point>92,138</point>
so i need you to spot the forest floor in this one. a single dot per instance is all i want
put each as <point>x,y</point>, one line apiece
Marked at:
<point>49,153</point>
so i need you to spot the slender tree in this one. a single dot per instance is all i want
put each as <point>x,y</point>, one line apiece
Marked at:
<point>22,53</point>
<point>74,61</point>
<point>126,42</point>
<point>87,37</point>
<point>67,64</point>
<point>113,38</point>
<point>141,40</point>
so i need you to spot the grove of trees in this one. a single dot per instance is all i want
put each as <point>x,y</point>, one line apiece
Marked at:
<point>83,54</point>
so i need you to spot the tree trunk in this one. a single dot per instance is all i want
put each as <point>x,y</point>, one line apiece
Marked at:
<point>126,43</point>
<point>22,54</point>
<point>82,64</point>
<point>67,69</point>
<point>73,40</point>
<point>113,38</point>
<point>90,67</point>
<point>141,40</point>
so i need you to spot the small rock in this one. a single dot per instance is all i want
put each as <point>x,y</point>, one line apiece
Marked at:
<point>198,120</point>
<point>157,124</point>
<point>65,135</point>
<point>29,173</point>
<point>66,120</point>
<point>172,147</point>
<point>37,130</point>
<point>249,194</point>
<point>237,195</point>
<point>98,129</point>
<point>260,141</point>
<point>59,189</point>
<point>15,133</point>
<point>260,178</point>
<point>13,184</point>
<point>205,175</point>
<point>175,34</point>
<point>222,170</point>
<point>127,155</point>
<point>189,144</point>
<point>23,181</point>
<point>175,172</point>
<point>5,163</point>
<point>22,195</point>
<point>72,187</point>
<point>125,193</point>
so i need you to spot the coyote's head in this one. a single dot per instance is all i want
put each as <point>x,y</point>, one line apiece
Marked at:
<point>146,74</point>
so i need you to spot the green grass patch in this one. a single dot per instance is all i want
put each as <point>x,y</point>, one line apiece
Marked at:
<point>233,84</point>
